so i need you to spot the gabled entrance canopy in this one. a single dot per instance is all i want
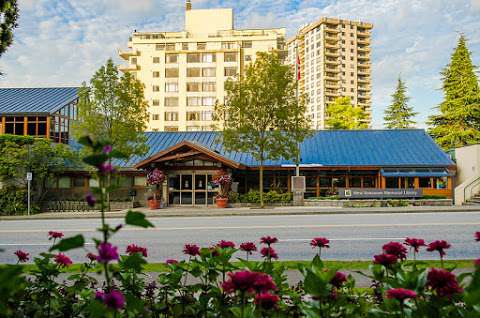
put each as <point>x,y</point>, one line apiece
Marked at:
<point>187,150</point>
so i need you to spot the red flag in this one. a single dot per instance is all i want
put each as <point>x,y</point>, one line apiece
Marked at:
<point>297,66</point>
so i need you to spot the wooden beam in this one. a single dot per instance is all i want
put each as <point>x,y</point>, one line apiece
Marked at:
<point>2,129</point>
<point>178,156</point>
<point>25,125</point>
<point>48,127</point>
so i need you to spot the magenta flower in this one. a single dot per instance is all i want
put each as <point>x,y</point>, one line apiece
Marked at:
<point>247,281</point>
<point>114,299</point>
<point>400,294</point>
<point>90,199</point>
<point>477,262</point>
<point>414,243</point>
<point>107,149</point>
<point>171,261</point>
<point>266,301</point>
<point>92,257</point>
<point>395,248</point>
<point>106,168</point>
<point>226,244</point>
<point>443,282</point>
<point>385,259</point>
<point>155,177</point>
<point>63,260</point>
<point>338,279</point>
<point>248,247</point>
<point>477,236</point>
<point>320,242</point>
<point>269,252</point>
<point>440,246</point>
<point>106,253</point>
<point>22,256</point>
<point>132,249</point>
<point>264,283</point>
<point>191,249</point>
<point>269,240</point>
<point>54,235</point>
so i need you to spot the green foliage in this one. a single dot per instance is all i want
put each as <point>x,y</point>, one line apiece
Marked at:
<point>9,13</point>
<point>137,219</point>
<point>12,201</point>
<point>70,243</point>
<point>253,196</point>
<point>458,123</point>
<point>114,108</point>
<point>399,115</point>
<point>343,115</point>
<point>261,115</point>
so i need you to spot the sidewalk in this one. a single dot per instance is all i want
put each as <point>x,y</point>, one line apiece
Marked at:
<point>213,211</point>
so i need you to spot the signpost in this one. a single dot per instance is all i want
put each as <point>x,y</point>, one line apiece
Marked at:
<point>29,181</point>
<point>298,189</point>
<point>363,193</point>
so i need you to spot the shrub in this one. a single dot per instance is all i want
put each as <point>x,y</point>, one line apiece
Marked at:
<point>269,197</point>
<point>13,201</point>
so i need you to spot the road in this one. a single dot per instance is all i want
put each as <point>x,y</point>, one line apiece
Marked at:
<point>352,236</point>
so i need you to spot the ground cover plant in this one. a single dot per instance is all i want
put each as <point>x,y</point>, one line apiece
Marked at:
<point>222,281</point>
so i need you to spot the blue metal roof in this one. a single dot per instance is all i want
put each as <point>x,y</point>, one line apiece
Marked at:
<point>35,100</point>
<point>379,148</point>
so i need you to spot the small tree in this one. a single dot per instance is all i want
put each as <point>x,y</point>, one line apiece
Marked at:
<point>261,115</point>
<point>399,115</point>
<point>8,22</point>
<point>343,115</point>
<point>113,107</point>
<point>458,123</point>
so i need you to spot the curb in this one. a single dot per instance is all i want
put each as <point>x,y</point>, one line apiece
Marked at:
<point>245,212</point>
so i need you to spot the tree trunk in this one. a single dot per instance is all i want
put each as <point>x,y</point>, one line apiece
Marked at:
<point>261,184</point>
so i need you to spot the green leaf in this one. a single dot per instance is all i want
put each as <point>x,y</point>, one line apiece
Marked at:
<point>137,219</point>
<point>95,160</point>
<point>69,243</point>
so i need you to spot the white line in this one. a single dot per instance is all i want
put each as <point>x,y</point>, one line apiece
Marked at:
<point>346,239</point>
<point>249,227</point>
<point>32,244</point>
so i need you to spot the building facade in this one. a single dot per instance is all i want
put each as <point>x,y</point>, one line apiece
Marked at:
<point>334,60</point>
<point>184,72</point>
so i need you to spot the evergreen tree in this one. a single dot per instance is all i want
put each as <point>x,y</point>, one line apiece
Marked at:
<point>399,115</point>
<point>458,123</point>
<point>343,115</point>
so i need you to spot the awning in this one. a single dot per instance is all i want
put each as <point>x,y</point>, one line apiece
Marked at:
<point>414,172</point>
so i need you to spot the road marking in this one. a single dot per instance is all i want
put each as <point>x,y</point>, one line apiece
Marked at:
<point>252,227</point>
<point>345,239</point>
<point>32,244</point>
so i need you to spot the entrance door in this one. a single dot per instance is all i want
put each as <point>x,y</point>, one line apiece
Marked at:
<point>191,188</point>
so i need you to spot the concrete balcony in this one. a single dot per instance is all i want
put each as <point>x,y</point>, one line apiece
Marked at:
<point>363,57</point>
<point>331,77</point>
<point>333,53</point>
<point>363,80</point>
<point>332,93</point>
<point>331,37</point>
<point>363,33</point>
<point>363,40</point>
<point>363,88</point>
<point>129,68</point>
<point>332,45</point>
<point>332,62</point>
<point>125,54</point>
<point>362,71</point>
<point>332,85</point>
<point>363,49</point>
<point>332,70</point>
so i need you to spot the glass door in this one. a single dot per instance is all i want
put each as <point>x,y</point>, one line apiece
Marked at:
<point>191,188</point>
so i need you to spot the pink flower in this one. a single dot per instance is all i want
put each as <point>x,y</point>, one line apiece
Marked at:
<point>155,176</point>
<point>92,257</point>
<point>269,240</point>
<point>132,249</point>
<point>191,249</point>
<point>320,242</point>
<point>226,244</point>
<point>114,299</point>
<point>248,247</point>
<point>22,256</point>
<point>264,282</point>
<point>269,252</point>
<point>400,294</point>
<point>395,248</point>
<point>106,168</point>
<point>107,149</point>
<point>54,235</point>
<point>477,262</point>
<point>63,260</point>
<point>385,259</point>
<point>414,243</point>
<point>477,236</point>
<point>107,252</point>
<point>171,261</point>
<point>443,282</point>
<point>338,279</point>
<point>242,281</point>
<point>266,301</point>
<point>438,246</point>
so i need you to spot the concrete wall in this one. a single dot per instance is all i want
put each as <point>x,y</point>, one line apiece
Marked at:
<point>468,162</point>
<point>208,20</point>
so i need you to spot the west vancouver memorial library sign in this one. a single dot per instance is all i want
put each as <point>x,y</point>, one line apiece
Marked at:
<point>358,193</point>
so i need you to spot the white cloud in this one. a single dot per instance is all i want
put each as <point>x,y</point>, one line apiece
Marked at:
<point>62,42</point>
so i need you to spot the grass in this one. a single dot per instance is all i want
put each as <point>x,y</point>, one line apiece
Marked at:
<point>345,265</point>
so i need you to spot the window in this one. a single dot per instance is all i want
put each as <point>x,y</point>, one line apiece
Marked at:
<point>193,57</point>
<point>230,56</point>
<point>230,71</point>
<point>208,101</point>
<point>208,57</point>
<point>171,72</point>
<point>209,86</point>
<point>425,182</point>
<point>171,116</point>
<point>64,182</point>
<point>155,117</point>
<point>228,45</point>
<point>160,47</point>
<point>391,182</point>
<point>193,116</point>
<point>247,44</point>
<point>206,115</point>
<point>139,181</point>
<point>78,182</point>
<point>248,58</point>
<point>193,87</point>
<point>201,45</point>
<point>171,101</point>
<point>193,72</point>
<point>156,60</point>
<point>170,47</point>
<point>194,101</point>
<point>171,128</point>
<point>209,72</point>
<point>171,58</point>
<point>185,46</point>
<point>156,74</point>
<point>133,60</point>
<point>171,87</point>
<point>155,102</point>
<point>156,88</point>
<point>193,128</point>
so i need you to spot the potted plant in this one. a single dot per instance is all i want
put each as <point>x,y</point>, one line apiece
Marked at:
<point>223,181</point>
<point>155,178</point>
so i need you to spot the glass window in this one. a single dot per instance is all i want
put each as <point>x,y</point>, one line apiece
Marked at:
<point>171,116</point>
<point>209,86</point>
<point>155,102</point>
<point>160,47</point>
<point>208,101</point>
<point>206,115</point>
<point>156,60</point>
<point>171,87</point>
<point>208,57</point>
<point>193,57</point>
<point>64,183</point>
<point>78,182</point>
<point>230,57</point>
<point>125,181</point>
<point>228,45</point>
<point>194,101</point>
<point>369,182</point>
<point>155,117</point>
<point>339,182</point>
<point>185,46</point>
<point>209,72</point>
<point>156,88</point>
<point>325,182</point>
<point>192,116</point>
<point>247,44</point>
<point>170,46</point>
<point>355,182</point>
<point>193,87</point>
<point>391,182</point>
<point>171,101</point>
<point>230,71</point>
<point>441,183</point>
<point>201,45</point>
<point>425,182</point>
<point>156,74</point>
<point>140,181</point>
<point>193,72</point>
<point>171,72</point>
<point>171,128</point>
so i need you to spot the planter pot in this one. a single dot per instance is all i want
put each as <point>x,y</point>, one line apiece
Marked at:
<point>154,204</point>
<point>222,202</point>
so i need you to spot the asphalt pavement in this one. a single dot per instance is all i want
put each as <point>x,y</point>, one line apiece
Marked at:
<point>352,236</point>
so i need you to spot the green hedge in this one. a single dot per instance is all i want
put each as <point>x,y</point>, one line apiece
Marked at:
<point>268,197</point>
<point>12,201</point>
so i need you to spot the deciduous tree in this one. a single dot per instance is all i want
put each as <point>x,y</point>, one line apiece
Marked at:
<point>399,115</point>
<point>343,115</point>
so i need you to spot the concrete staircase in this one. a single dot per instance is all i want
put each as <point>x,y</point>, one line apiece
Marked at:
<point>475,200</point>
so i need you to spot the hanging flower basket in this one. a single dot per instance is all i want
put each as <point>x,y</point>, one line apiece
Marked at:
<point>155,178</point>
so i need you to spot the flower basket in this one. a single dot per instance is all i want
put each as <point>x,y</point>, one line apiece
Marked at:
<point>155,178</point>
<point>221,202</point>
<point>154,204</point>
<point>223,181</point>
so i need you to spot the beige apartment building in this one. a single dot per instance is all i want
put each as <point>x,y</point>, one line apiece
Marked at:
<point>334,61</point>
<point>184,72</point>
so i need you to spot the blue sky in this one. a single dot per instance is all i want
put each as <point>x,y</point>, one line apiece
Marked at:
<point>62,42</point>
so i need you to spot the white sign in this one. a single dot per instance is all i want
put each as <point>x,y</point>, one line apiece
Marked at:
<point>298,184</point>
<point>29,176</point>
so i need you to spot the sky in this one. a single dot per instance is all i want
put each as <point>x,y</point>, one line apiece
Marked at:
<point>62,42</point>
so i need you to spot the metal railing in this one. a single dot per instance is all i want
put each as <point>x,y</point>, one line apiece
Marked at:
<point>469,188</point>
